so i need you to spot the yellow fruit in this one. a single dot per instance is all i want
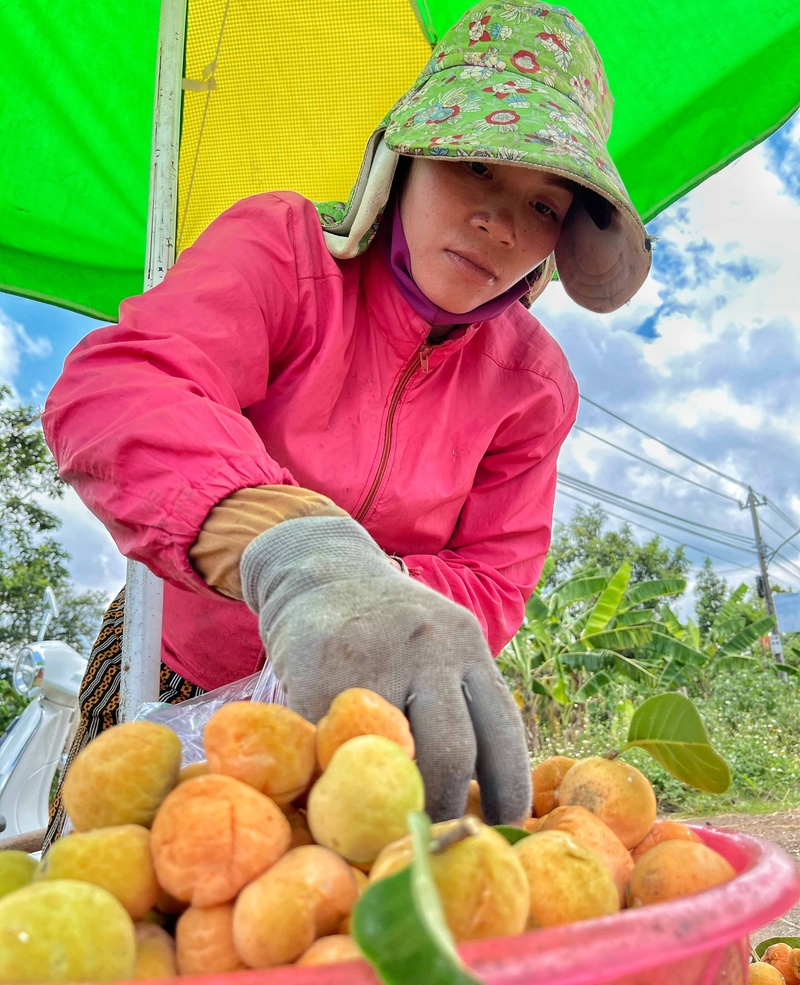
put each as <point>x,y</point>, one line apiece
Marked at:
<point>765,974</point>
<point>155,953</point>
<point>64,931</point>
<point>546,782</point>
<point>481,883</point>
<point>663,831</point>
<point>191,770</point>
<point>619,794</point>
<point>362,800</point>
<point>204,936</point>
<point>589,830</point>
<point>676,868</point>
<point>16,871</point>
<point>358,711</point>
<point>305,895</point>
<point>269,747</point>
<point>331,950</point>
<point>117,859</point>
<point>213,835</point>
<point>122,776</point>
<point>567,880</point>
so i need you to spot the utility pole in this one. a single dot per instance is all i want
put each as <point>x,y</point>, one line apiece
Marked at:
<point>775,644</point>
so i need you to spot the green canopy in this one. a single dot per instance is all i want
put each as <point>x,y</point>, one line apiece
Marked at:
<point>695,86</point>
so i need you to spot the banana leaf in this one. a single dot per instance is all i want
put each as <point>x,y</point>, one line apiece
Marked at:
<point>608,603</point>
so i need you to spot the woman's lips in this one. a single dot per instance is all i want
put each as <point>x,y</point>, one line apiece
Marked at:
<point>471,270</point>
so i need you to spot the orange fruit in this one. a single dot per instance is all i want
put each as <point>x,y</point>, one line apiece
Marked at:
<point>204,936</point>
<point>359,711</point>
<point>674,869</point>
<point>279,915</point>
<point>546,782</point>
<point>619,794</point>
<point>213,835</point>
<point>784,958</point>
<point>269,747</point>
<point>663,831</point>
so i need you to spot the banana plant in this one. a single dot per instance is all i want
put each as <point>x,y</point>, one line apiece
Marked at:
<point>580,637</point>
<point>731,635</point>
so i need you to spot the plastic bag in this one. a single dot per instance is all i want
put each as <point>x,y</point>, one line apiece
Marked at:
<point>188,719</point>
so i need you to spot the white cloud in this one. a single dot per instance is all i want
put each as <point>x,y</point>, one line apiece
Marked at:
<point>96,563</point>
<point>15,341</point>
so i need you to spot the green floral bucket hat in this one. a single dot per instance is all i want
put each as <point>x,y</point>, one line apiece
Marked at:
<point>519,83</point>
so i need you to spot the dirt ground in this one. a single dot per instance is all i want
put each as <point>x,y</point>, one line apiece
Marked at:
<point>783,829</point>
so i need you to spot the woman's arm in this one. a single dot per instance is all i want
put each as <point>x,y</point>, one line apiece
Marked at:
<point>145,421</point>
<point>494,559</point>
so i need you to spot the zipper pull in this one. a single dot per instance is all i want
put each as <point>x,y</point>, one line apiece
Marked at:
<point>424,352</point>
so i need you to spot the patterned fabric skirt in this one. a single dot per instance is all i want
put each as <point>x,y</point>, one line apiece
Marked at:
<point>98,699</point>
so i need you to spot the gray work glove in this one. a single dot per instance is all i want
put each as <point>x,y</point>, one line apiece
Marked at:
<point>334,614</point>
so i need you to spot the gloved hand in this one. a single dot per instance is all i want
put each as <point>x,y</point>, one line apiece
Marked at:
<point>334,614</point>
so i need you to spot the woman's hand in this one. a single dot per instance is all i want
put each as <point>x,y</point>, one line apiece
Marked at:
<point>333,615</point>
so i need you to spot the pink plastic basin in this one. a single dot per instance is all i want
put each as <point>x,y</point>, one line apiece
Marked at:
<point>700,940</point>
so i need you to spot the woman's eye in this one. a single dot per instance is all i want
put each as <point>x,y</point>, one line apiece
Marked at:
<point>543,209</point>
<point>480,169</point>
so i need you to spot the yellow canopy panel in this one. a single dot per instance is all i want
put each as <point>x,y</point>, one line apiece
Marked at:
<point>284,95</point>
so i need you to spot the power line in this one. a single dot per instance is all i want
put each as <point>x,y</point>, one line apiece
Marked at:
<point>677,451</point>
<point>658,533</point>
<point>655,465</point>
<point>733,540</point>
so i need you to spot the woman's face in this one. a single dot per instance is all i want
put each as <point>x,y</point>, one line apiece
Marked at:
<point>474,229</point>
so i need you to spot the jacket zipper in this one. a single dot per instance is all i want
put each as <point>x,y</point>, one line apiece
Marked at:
<point>420,361</point>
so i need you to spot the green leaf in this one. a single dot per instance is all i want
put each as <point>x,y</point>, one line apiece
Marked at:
<point>575,589</point>
<point>538,688</point>
<point>593,660</point>
<point>535,608</point>
<point>511,834</point>
<point>399,925</point>
<point>594,686</point>
<point>761,948</point>
<point>671,621</point>
<point>731,606</point>
<point>788,669</point>
<point>746,637</point>
<point>737,662</point>
<point>646,590</point>
<point>633,617</point>
<point>673,673</point>
<point>674,649</point>
<point>608,603</point>
<point>669,727</point>
<point>619,639</point>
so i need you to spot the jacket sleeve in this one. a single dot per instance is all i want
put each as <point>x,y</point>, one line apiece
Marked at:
<point>146,419</point>
<point>494,559</point>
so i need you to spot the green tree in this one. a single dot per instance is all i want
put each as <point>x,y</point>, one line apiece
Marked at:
<point>30,556</point>
<point>710,594</point>
<point>584,542</point>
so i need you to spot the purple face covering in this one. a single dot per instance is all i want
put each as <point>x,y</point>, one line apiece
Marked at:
<point>397,253</point>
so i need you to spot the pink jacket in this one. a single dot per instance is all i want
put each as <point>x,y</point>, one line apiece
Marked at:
<point>260,360</point>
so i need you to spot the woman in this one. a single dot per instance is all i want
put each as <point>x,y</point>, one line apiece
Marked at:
<point>355,429</point>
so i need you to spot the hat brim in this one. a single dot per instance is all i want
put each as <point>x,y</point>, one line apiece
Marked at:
<point>535,126</point>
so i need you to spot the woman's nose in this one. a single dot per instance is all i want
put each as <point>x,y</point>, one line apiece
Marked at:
<point>499,223</point>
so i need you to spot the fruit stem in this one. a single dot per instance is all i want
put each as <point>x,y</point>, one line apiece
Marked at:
<point>466,828</point>
<point>612,754</point>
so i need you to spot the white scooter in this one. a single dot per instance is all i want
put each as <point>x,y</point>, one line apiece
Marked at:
<point>33,746</point>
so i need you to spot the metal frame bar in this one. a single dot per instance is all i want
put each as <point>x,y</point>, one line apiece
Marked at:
<point>144,592</point>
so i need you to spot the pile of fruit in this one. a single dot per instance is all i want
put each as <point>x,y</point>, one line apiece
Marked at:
<point>257,857</point>
<point>779,965</point>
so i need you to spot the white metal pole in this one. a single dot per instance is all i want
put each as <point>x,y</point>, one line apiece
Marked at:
<point>144,593</point>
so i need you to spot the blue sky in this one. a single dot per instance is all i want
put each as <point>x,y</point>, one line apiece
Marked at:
<point>707,357</point>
